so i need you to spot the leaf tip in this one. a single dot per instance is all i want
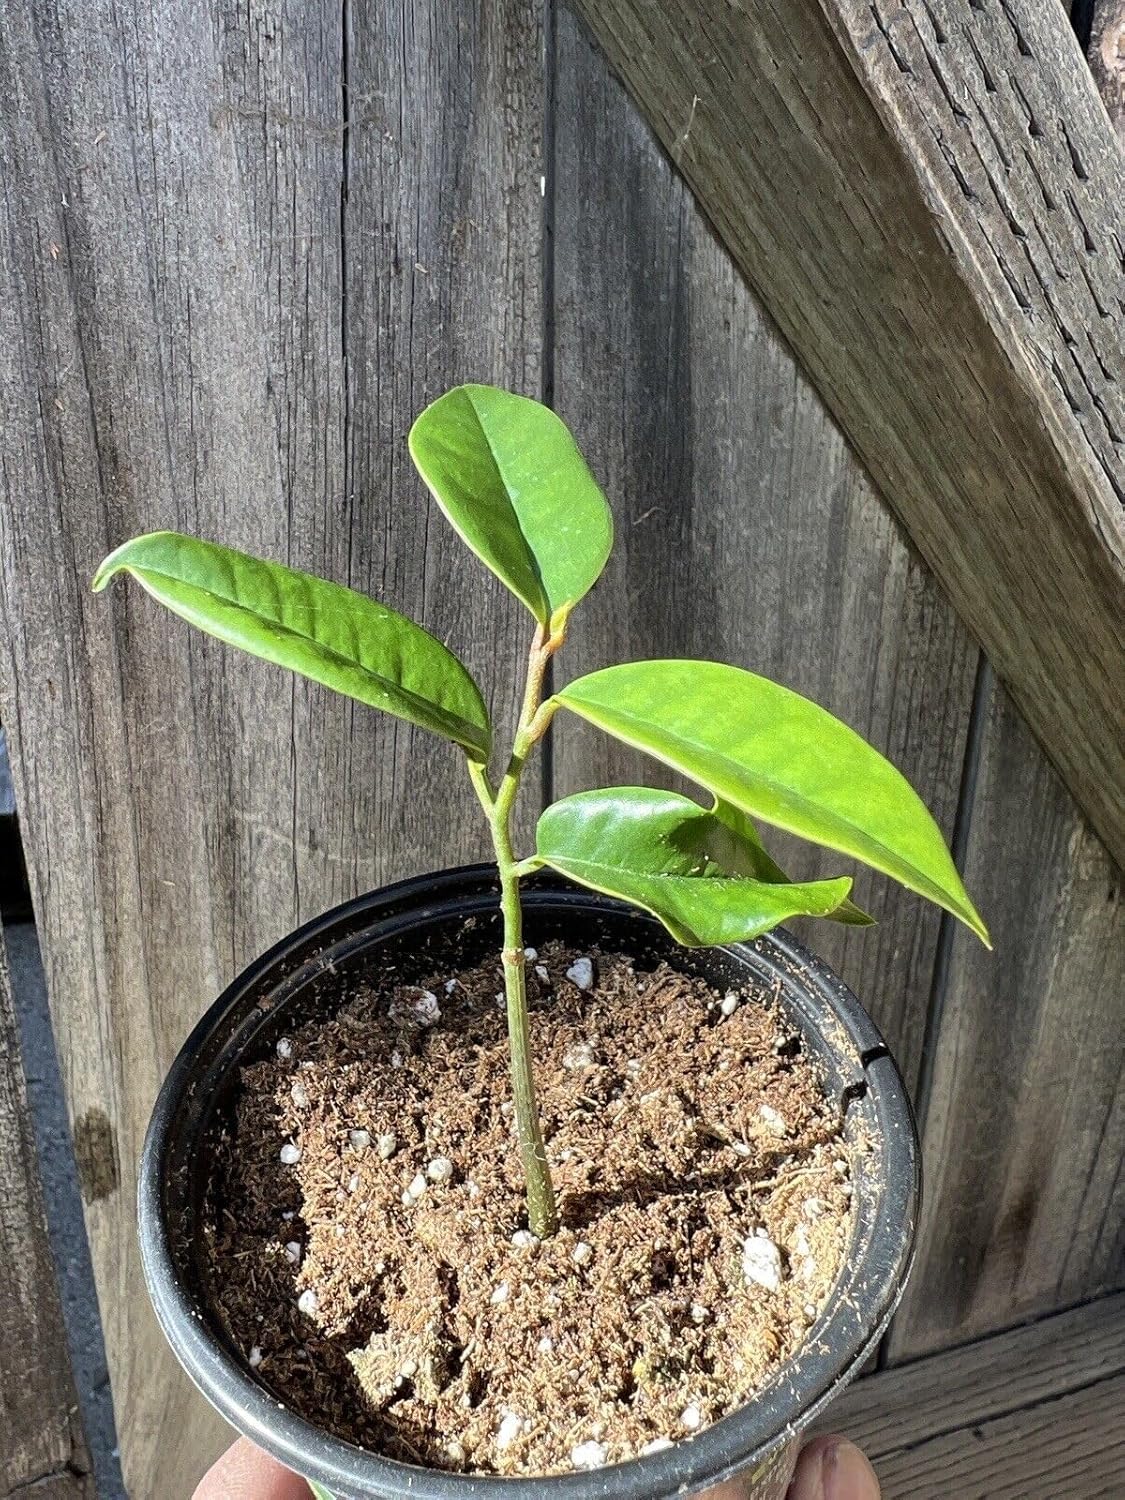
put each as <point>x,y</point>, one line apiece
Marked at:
<point>966,912</point>
<point>106,569</point>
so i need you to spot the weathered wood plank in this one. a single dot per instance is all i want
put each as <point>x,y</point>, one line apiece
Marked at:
<point>1069,1449</point>
<point>957,1388</point>
<point>41,1443</point>
<point>1029,1415</point>
<point>444,269</point>
<point>215,319</point>
<point>1025,1127</point>
<point>927,198</point>
<point>746,530</point>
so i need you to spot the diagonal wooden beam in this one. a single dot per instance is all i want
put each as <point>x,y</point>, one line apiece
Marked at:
<point>927,196</point>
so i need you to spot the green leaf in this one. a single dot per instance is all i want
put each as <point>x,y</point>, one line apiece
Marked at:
<point>509,476</point>
<point>669,856</point>
<point>319,1492</point>
<point>772,754</point>
<point>322,630</point>
<point>748,856</point>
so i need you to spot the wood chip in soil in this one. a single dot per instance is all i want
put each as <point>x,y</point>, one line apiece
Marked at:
<point>367,1246</point>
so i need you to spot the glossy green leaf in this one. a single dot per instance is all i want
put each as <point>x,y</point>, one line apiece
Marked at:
<point>319,1492</point>
<point>772,754</point>
<point>673,858</point>
<point>322,630</point>
<point>509,476</point>
<point>748,856</point>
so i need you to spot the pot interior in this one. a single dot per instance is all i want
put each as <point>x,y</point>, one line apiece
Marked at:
<point>449,922</point>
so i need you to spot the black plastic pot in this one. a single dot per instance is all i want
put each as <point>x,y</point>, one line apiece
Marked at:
<point>419,925</point>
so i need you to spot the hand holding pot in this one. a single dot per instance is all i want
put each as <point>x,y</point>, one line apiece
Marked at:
<point>246,1473</point>
<point>830,1468</point>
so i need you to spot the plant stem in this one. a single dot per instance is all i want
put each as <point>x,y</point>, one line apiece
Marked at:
<point>542,1212</point>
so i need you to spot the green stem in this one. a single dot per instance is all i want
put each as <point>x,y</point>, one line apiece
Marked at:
<point>542,1212</point>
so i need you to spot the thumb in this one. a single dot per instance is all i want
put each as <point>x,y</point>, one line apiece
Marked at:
<point>831,1468</point>
<point>246,1473</point>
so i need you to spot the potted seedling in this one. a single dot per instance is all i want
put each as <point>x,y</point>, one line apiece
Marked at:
<point>641,1266</point>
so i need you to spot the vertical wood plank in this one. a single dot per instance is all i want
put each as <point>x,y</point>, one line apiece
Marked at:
<point>41,1443</point>
<point>1025,1130</point>
<point>443,228</point>
<point>746,530</point>
<point>238,252</point>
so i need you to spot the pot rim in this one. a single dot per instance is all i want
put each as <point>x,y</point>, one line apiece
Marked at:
<point>845,1334</point>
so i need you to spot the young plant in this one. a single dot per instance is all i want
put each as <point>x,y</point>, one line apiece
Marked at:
<point>507,474</point>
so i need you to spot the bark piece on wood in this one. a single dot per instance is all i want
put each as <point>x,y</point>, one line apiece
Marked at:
<point>1106,56</point>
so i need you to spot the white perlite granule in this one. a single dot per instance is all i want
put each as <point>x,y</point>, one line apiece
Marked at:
<point>589,1455</point>
<point>511,1426</point>
<point>581,974</point>
<point>578,1055</point>
<point>761,1262</point>
<point>415,1190</point>
<point>426,1010</point>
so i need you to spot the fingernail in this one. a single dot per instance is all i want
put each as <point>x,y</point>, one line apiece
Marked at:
<point>808,1477</point>
<point>845,1473</point>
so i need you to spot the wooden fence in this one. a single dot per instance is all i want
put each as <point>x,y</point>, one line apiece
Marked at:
<point>240,247</point>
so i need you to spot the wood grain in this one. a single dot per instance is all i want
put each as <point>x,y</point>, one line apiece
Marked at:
<point>927,198</point>
<point>1071,1448</point>
<point>41,1443</point>
<point>1033,1414</point>
<point>746,530</point>
<point>1025,1127</point>
<point>986,1378</point>
<point>238,252</point>
<point>444,269</point>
